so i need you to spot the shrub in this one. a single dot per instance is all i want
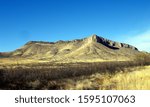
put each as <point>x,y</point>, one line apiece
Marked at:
<point>143,59</point>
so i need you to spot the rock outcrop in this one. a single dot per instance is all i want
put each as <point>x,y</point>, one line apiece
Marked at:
<point>109,43</point>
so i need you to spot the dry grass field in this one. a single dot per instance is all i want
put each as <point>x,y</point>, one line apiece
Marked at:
<point>136,78</point>
<point>110,75</point>
<point>139,79</point>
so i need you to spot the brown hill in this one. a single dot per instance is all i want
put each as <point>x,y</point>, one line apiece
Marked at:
<point>93,48</point>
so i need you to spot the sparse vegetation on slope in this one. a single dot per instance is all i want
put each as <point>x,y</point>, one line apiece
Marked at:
<point>88,49</point>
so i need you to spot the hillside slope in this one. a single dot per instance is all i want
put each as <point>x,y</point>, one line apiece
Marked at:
<point>93,48</point>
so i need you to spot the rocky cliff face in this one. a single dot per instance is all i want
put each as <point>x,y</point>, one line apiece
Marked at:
<point>110,44</point>
<point>91,48</point>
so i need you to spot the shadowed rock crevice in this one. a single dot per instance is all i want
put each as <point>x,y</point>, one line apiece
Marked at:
<point>111,44</point>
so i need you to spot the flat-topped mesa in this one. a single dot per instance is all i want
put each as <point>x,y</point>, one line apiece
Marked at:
<point>109,43</point>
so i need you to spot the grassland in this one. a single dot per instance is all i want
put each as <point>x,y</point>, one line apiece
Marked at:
<point>110,75</point>
<point>136,78</point>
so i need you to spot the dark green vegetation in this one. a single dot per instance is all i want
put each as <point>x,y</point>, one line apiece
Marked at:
<point>50,75</point>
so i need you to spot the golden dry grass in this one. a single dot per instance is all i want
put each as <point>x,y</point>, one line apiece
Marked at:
<point>137,78</point>
<point>34,74</point>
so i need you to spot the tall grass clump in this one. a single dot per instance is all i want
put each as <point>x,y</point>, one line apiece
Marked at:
<point>142,59</point>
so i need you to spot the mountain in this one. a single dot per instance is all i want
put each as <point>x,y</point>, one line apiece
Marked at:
<point>93,48</point>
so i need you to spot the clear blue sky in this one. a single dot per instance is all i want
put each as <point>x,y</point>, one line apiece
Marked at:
<point>51,20</point>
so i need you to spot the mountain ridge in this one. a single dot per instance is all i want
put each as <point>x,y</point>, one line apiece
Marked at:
<point>93,38</point>
<point>91,48</point>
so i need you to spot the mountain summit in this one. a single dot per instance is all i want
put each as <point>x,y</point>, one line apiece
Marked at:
<point>92,48</point>
<point>109,43</point>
